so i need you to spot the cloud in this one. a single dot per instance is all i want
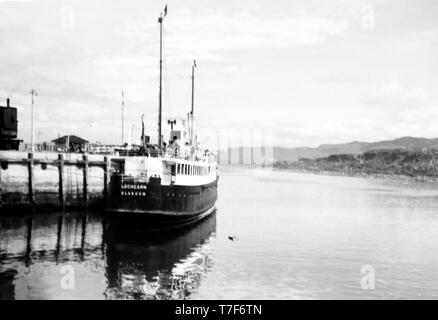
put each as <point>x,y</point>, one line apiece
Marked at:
<point>303,69</point>
<point>393,95</point>
<point>248,31</point>
<point>211,32</point>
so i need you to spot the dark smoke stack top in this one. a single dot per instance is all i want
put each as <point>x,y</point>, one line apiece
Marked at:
<point>7,102</point>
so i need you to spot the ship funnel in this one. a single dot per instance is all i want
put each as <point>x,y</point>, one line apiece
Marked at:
<point>7,102</point>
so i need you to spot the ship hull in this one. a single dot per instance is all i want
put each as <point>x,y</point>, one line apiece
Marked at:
<point>161,203</point>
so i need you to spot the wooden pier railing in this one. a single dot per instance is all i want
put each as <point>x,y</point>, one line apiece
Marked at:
<point>22,189</point>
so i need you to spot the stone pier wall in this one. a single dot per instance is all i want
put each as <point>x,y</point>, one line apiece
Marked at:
<point>47,180</point>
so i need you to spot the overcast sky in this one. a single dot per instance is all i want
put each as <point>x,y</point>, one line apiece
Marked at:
<point>311,72</point>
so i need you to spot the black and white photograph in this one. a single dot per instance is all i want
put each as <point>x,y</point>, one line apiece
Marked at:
<point>207,150</point>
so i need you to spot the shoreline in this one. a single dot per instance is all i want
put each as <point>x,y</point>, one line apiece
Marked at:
<point>382,176</point>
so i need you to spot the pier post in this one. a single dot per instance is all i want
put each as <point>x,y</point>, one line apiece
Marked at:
<point>105,180</point>
<point>61,178</point>
<point>85,183</point>
<point>30,172</point>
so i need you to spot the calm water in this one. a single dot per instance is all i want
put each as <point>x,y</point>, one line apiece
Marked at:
<point>299,236</point>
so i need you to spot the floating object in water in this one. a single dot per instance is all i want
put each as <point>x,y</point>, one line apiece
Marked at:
<point>233,238</point>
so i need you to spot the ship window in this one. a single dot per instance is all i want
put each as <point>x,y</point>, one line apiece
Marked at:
<point>177,168</point>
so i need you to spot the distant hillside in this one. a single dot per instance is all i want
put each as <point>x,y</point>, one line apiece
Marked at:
<point>325,150</point>
<point>394,162</point>
<point>358,147</point>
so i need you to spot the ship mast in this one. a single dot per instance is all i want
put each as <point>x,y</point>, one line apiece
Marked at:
<point>193,102</point>
<point>160,21</point>
<point>193,84</point>
<point>123,117</point>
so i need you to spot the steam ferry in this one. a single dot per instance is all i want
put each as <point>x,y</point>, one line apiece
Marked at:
<point>167,182</point>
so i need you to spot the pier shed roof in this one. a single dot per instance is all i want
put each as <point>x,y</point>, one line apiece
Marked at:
<point>72,139</point>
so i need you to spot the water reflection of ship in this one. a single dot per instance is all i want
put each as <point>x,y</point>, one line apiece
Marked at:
<point>172,262</point>
<point>165,265</point>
